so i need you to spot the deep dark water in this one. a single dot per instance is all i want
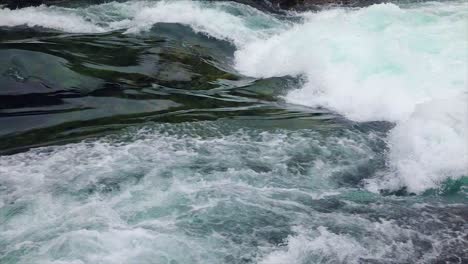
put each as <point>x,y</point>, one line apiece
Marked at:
<point>65,86</point>
<point>154,148</point>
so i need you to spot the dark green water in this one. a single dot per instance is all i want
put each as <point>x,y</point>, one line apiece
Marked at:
<point>156,147</point>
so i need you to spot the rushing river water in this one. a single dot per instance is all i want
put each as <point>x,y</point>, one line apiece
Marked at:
<point>214,132</point>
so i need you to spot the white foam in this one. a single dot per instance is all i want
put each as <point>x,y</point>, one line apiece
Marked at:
<point>49,18</point>
<point>228,21</point>
<point>137,198</point>
<point>381,63</point>
<point>428,148</point>
<point>375,63</point>
<point>213,20</point>
<point>322,245</point>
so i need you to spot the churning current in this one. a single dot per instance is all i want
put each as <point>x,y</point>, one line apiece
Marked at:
<point>215,132</point>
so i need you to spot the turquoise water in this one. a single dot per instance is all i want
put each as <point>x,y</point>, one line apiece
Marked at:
<point>213,132</point>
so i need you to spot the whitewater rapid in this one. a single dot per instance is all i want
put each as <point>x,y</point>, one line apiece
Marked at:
<point>406,65</point>
<point>383,62</point>
<point>270,189</point>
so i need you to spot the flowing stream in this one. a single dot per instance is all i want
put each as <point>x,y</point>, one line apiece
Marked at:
<point>213,132</point>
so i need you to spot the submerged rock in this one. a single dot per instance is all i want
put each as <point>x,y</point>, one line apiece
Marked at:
<point>266,4</point>
<point>311,4</point>
<point>14,4</point>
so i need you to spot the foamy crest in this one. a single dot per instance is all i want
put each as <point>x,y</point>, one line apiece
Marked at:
<point>375,63</point>
<point>213,20</point>
<point>383,63</point>
<point>49,18</point>
<point>322,245</point>
<point>228,21</point>
<point>147,195</point>
<point>428,148</point>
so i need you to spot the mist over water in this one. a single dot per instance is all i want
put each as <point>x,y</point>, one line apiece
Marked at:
<point>214,132</point>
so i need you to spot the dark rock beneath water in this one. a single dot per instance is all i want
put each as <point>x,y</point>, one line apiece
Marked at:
<point>14,4</point>
<point>302,5</point>
<point>264,4</point>
<point>311,4</point>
